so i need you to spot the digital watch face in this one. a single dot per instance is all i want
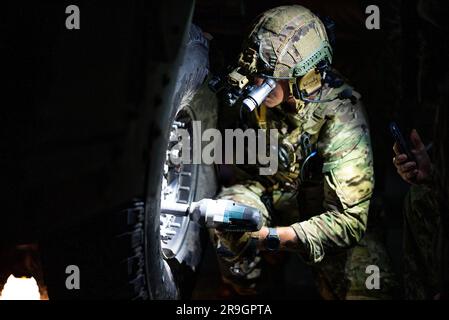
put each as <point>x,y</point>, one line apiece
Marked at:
<point>272,242</point>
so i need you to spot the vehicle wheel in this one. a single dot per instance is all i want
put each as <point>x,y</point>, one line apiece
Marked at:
<point>181,240</point>
<point>136,252</point>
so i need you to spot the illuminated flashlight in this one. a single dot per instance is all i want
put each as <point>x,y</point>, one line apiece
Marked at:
<point>257,95</point>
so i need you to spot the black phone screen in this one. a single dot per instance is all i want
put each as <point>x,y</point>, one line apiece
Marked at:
<point>401,141</point>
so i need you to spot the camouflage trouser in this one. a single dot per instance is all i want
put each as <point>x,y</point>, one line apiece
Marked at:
<point>244,273</point>
<point>345,276</point>
<point>339,276</point>
<point>422,244</point>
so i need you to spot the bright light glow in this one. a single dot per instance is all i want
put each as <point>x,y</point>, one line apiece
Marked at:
<point>20,289</point>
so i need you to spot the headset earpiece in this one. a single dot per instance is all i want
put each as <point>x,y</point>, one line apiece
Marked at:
<point>310,83</point>
<point>295,90</point>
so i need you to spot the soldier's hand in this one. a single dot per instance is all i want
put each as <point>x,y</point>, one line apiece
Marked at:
<point>410,171</point>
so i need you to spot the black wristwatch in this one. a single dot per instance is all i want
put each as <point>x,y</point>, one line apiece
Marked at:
<point>272,241</point>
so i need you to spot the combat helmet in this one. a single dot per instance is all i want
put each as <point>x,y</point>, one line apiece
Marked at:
<point>288,41</point>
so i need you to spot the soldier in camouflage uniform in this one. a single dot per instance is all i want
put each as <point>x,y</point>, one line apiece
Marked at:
<point>325,157</point>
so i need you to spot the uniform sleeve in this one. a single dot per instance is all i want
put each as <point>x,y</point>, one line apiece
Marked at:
<point>344,144</point>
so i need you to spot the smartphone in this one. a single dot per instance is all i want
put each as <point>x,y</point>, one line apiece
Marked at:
<point>404,146</point>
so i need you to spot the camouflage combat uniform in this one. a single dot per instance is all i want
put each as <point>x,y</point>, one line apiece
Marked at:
<point>333,204</point>
<point>325,161</point>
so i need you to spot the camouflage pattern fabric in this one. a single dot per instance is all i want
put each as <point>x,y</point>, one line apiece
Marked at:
<point>423,245</point>
<point>343,143</point>
<point>243,273</point>
<point>338,131</point>
<point>332,209</point>
<point>344,276</point>
<point>290,41</point>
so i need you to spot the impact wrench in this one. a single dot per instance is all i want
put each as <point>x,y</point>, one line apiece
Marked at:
<point>223,215</point>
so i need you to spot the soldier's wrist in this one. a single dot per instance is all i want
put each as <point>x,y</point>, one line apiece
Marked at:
<point>260,236</point>
<point>286,238</point>
<point>290,240</point>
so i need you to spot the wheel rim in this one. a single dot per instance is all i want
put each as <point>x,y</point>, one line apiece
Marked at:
<point>178,181</point>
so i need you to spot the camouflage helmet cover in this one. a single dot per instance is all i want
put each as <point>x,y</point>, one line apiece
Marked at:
<point>288,40</point>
